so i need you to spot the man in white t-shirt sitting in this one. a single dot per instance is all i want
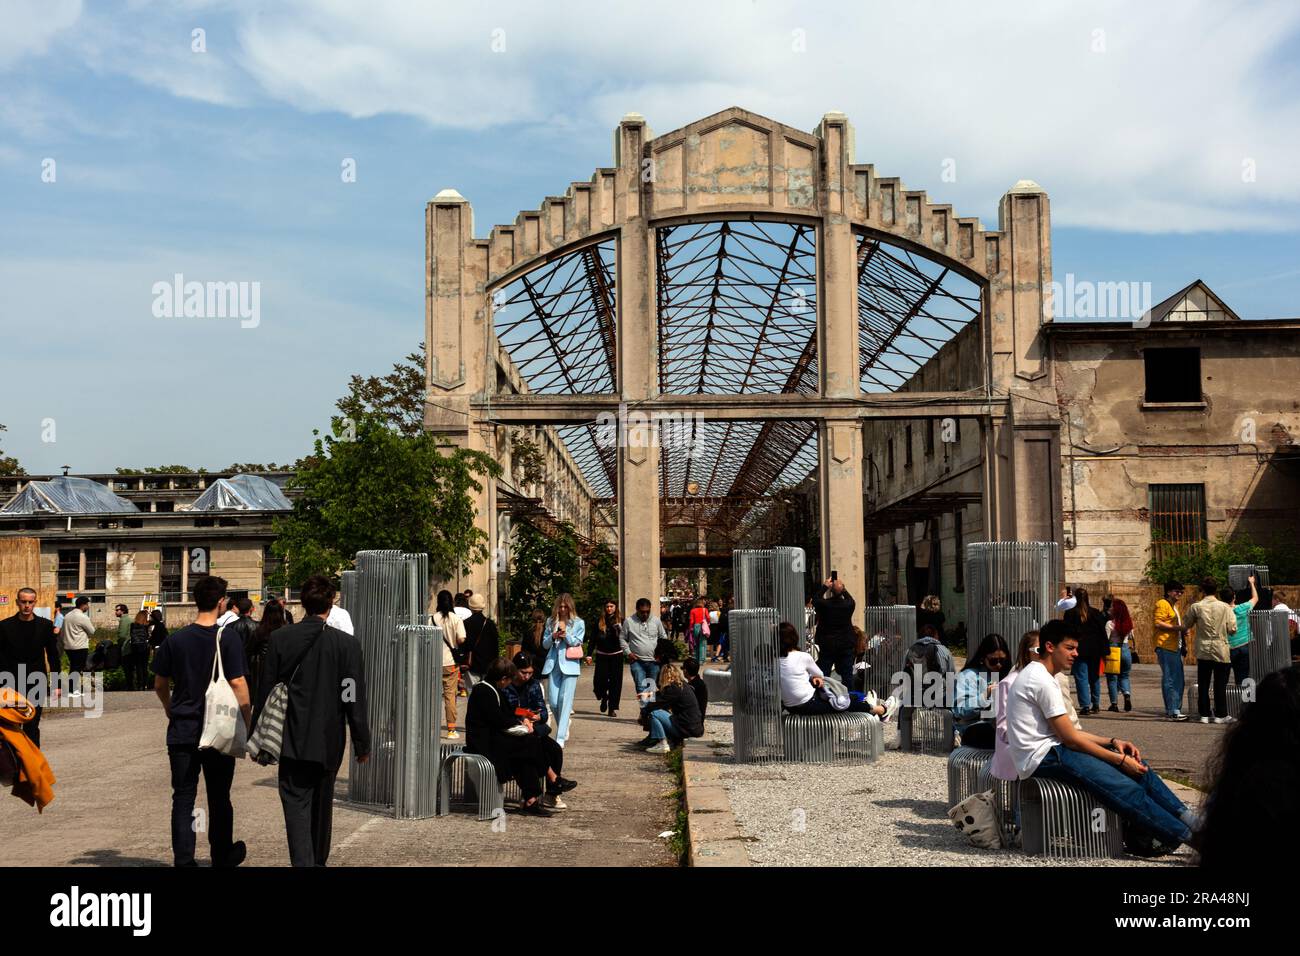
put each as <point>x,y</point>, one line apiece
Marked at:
<point>1043,743</point>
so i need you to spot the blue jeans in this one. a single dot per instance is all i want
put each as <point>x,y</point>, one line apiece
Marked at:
<point>1240,657</point>
<point>645,677</point>
<point>1120,681</point>
<point>661,726</point>
<point>1088,684</point>
<point>1146,802</point>
<point>1171,680</point>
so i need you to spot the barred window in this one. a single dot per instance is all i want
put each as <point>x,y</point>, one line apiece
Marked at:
<point>96,568</point>
<point>1177,519</point>
<point>69,570</point>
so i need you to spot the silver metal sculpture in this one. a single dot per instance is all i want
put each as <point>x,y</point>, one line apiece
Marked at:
<point>1270,643</point>
<point>890,631</point>
<point>480,770</point>
<point>967,773</point>
<point>772,577</point>
<point>755,659</point>
<point>1233,699</point>
<point>718,684</point>
<point>403,660</point>
<point>761,732</point>
<point>1065,822</point>
<point>1011,575</point>
<point>1239,575</point>
<point>926,730</point>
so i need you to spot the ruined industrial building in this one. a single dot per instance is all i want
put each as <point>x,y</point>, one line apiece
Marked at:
<point>741,334</point>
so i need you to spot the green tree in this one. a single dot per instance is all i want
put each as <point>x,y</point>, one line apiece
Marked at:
<point>397,398</point>
<point>163,470</point>
<point>1191,563</point>
<point>242,469</point>
<point>378,480</point>
<point>543,566</point>
<point>9,465</point>
<point>600,584</point>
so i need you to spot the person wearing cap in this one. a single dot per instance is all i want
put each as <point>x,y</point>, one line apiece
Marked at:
<point>481,636</point>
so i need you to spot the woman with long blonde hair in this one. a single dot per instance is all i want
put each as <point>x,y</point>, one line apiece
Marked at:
<point>675,713</point>
<point>562,641</point>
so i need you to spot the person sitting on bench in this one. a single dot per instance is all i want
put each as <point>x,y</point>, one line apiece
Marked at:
<point>1044,744</point>
<point>802,682</point>
<point>986,666</point>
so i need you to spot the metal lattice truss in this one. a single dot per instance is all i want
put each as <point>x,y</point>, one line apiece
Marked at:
<point>557,323</point>
<point>737,315</point>
<point>908,307</point>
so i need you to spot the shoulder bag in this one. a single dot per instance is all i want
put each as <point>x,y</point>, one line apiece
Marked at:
<point>223,724</point>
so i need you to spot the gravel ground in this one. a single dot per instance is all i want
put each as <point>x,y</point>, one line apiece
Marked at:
<point>892,812</point>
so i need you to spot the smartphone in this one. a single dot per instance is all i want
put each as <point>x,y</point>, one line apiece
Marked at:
<point>835,575</point>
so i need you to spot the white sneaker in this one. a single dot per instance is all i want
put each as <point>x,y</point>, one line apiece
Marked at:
<point>1206,720</point>
<point>872,701</point>
<point>891,708</point>
<point>660,747</point>
<point>552,801</point>
<point>1224,720</point>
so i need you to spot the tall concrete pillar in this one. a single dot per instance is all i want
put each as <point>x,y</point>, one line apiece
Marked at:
<point>458,323</point>
<point>1027,442</point>
<point>638,348</point>
<point>839,444</point>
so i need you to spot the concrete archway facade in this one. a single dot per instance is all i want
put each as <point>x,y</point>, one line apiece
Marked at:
<point>738,165</point>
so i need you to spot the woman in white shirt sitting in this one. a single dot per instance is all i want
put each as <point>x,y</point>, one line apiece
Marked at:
<point>801,679</point>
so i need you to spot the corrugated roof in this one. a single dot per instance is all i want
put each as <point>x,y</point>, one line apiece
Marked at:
<point>67,495</point>
<point>242,493</point>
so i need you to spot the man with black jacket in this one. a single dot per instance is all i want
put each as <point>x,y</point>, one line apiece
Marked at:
<point>245,628</point>
<point>327,697</point>
<point>835,638</point>
<point>28,646</point>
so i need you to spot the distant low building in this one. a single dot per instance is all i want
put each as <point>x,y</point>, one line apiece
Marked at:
<point>142,540</point>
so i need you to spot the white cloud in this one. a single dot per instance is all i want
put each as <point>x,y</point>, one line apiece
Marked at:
<point>1147,133</point>
<point>30,25</point>
<point>1132,116</point>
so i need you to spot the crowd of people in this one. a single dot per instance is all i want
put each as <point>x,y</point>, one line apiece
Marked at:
<point>520,698</point>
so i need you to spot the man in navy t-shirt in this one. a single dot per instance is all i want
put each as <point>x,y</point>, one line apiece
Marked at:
<point>183,666</point>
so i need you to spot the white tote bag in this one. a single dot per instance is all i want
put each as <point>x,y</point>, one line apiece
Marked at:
<point>223,724</point>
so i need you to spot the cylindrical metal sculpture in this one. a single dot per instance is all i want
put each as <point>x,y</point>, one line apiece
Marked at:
<point>755,686</point>
<point>389,594</point>
<point>1270,643</point>
<point>890,631</point>
<point>772,578</point>
<point>1011,575</point>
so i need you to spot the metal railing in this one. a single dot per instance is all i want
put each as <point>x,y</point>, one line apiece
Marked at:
<point>1011,575</point>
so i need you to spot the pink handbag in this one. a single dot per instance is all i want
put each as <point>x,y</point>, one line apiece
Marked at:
<point>573,653</point>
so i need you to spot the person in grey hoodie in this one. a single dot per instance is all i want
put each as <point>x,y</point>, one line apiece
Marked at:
<point>641,632</point>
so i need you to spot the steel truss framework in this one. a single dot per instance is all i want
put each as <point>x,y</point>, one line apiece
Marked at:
<point>736,315</point>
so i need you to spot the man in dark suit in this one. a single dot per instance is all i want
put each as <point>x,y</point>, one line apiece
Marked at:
<point>28,646</point>
<point>327,697</point>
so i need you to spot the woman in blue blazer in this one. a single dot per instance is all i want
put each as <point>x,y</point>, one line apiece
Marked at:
<point>564,629</point>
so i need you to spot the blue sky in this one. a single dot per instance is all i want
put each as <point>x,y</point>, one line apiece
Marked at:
<point>225,165</point>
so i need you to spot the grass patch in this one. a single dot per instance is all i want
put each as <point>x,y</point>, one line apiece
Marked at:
<point>679,842</point>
